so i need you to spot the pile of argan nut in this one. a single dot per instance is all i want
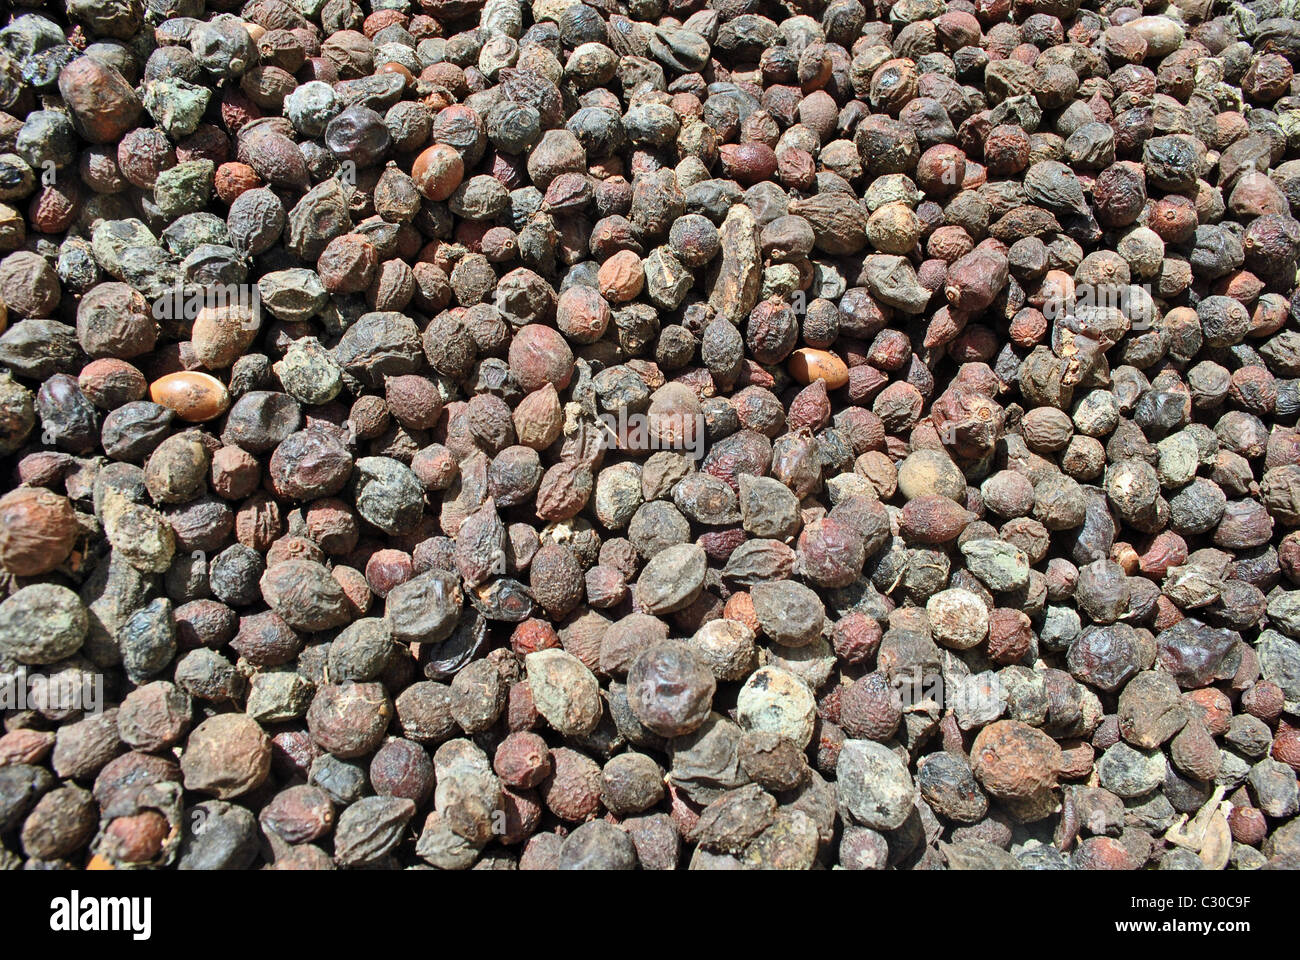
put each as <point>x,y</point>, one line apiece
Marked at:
<point>649,434</point>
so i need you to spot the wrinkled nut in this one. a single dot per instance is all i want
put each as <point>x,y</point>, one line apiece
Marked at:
<point>621,277</point>
<point>751,373</point>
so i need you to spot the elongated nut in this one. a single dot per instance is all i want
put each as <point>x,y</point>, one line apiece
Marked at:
<point>807,365</point>
<point>194,396</point>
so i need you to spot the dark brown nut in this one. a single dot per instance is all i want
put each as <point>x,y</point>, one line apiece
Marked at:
<point>788,613</point>
<point>61,823</point>
<point>1010,635</point>
<point>871,708</point>
<point>154,716</point>
<point>349,719</point>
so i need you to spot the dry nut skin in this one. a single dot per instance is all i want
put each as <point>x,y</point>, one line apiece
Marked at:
<point>226,756</point>
<point>639,436</point>
<point>37,531</point>
<point>1015,761</point>
<point>564,691</point>
<point>669,689</point>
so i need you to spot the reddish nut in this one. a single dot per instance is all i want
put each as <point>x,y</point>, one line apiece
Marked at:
<point>414,401</point>
<point>1286,746</point>
<point>740,607</point>
<point>1006,150</point>
<point>235,473</point>
<point>949,244</point>
<point>438,171</point>
<point>533,635</point>
<point>347,264</point>
<point>102,103</point>
<point>1264,700</point>
<point>941,170</point>
<point>522,760</point>
<point>747,163</point>
<point>387,569</point>
<point>1010,635</point>
<point>621,277</point>
<point>583,314</point>
<point>539,356</point>
<point>796,169</point>
<point>355,588</point>
<point>1104,853</point>
<point>109,383</point>
<point>1213,707</point>
<point>1028,327</point>
<point>1076,760</point>
<point>232,179</point>
<point>54,207</point>
<point>1015,761</point>
<point>37,531</point>
<point>1165,550</point>
<point>933,519</point>
<point>856,637</point>
<point>135,839</point>
<point>25,746</point>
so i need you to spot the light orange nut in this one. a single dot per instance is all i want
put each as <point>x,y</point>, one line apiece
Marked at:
<point>807,365</point>
<point>621,277</point>
<point>194,396</point>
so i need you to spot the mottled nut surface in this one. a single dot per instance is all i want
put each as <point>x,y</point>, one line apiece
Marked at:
<point>778,701</point>
<point>565,692</point>
<point>670,689</point>
<point>227,756</point>
<point>1015,761</point>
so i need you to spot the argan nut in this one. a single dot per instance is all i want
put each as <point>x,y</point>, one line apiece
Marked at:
<point>438,171</point>
<point>37,531</point>
<point>102,104</point>
<point>194,396</point>
<point>109,383</point>
<point>621,277</point>
<point>807,364</point>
